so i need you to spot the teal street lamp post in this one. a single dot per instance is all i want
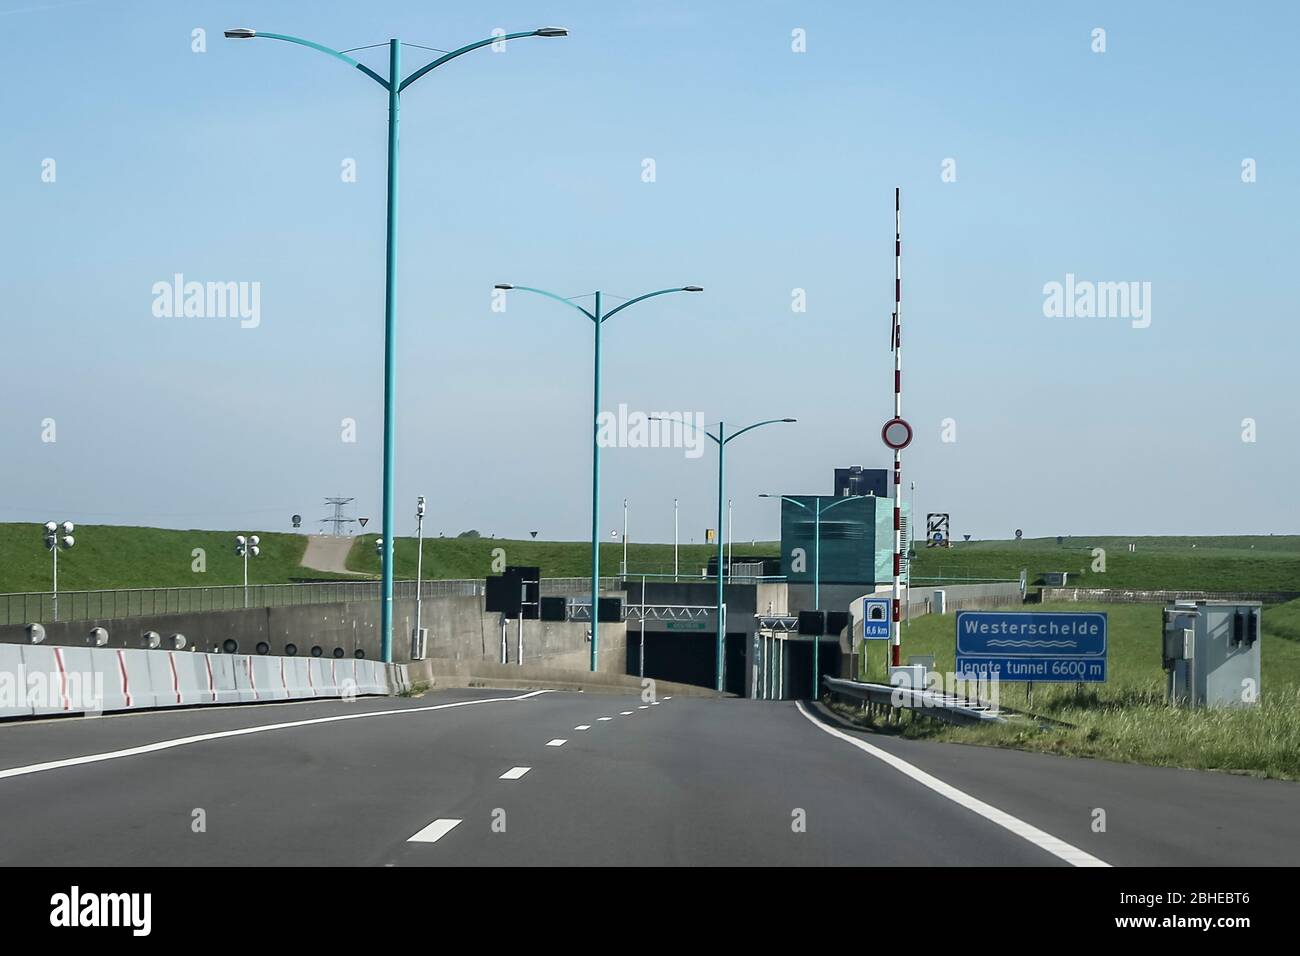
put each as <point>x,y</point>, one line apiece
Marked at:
<point>721,439</point>
<point>598,318</point>
<point>394,85</point>
<point>817,511</point>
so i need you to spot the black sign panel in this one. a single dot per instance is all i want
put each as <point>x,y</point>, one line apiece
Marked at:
<point>529,578</point>
<point>812,623</point>
<point>502,595</point>
<point>554,608</point>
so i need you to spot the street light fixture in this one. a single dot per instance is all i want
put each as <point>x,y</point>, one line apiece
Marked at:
<point>58,537</point>
<point>598,318</point>
<point>721,439</point>
<point>393,85</point>
<point>247,548</point>
<point>818,511</point>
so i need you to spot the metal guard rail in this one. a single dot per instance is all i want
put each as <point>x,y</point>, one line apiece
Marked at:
<point>945,707</point>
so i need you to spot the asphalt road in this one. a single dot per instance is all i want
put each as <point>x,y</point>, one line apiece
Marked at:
<point>685,781</point>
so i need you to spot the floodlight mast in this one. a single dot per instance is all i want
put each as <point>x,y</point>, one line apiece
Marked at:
<point>58,536</point>
<point>247,547</point>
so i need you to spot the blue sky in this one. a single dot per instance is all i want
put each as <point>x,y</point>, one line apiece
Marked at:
<point>775,170</point>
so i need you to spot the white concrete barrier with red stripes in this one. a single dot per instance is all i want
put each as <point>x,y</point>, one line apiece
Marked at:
<point>43,679</point>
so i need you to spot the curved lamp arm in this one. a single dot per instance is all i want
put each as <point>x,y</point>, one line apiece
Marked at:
<point>249,35</point>
<point>770,421</point>
<point>388,84</point>
<point>613,312</point>
<point>840,501</point>
<point>550,295</point>
<point>787,498</point>
<point>466,49</point>
<point>656,418</point>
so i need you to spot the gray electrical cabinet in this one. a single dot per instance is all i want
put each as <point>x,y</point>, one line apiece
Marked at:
<point>1211,653</point>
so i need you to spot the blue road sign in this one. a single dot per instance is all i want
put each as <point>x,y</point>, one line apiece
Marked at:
<point>1038,646</point>
<point>875,619</point>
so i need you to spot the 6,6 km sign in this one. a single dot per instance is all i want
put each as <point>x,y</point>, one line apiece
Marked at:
<point>1042,647</point>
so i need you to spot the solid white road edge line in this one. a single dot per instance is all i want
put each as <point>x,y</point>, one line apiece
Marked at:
<point>1040,838</point>
<point>435,831</point>
<point>242,731</point>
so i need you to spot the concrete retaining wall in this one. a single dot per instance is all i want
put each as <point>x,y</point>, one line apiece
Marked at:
<point>441,673</point>
<point>459,630</point>
<point>965,597</point>
<point>1121,596</point>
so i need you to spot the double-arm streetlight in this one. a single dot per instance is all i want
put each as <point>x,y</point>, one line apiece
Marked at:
<point>394,85</point>
<point>721,439</point>
<point>817,511</point>
<point>598,318</point>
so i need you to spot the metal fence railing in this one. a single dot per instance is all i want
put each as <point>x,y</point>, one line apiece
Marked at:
<point>39,606</point>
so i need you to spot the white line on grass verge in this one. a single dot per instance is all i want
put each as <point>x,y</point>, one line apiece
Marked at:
<point>243,731</point>
<point>1040,838</point>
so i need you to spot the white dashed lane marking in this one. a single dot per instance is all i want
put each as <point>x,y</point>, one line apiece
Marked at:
<point>514,773</point>
<point>583,727</point>
<point>435,831</point>
<point>557,742</point>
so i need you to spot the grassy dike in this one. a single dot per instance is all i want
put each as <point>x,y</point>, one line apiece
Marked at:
<point>473,557</point>
<point>1126,718</point>
<point>115,556</point>
<point>1209,563</point>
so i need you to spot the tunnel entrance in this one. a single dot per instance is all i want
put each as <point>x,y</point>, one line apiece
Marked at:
<point>689,657</point>
<point>799,683</point>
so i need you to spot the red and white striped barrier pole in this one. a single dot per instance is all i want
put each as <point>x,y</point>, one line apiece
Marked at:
<point>897,345</point>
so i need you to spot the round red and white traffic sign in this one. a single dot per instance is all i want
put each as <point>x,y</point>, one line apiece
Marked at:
<point>897,434</point>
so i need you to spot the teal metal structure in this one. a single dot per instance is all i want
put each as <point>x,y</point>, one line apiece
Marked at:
<point>598,318</point>
<point>394,85</point>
